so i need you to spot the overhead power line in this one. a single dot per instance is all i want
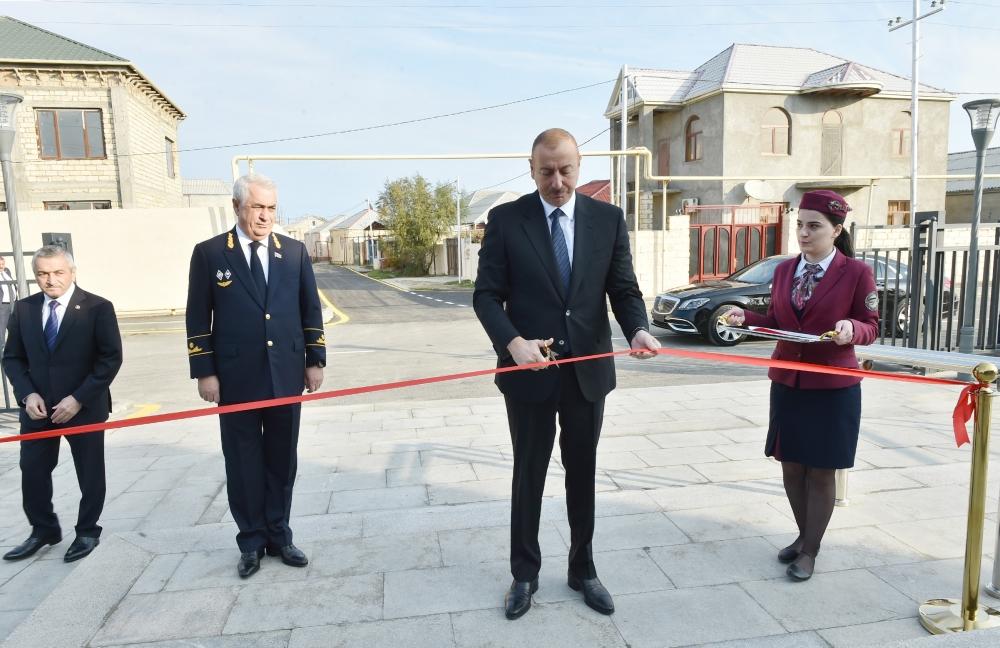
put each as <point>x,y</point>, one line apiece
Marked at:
<point>510,7</point>
<point>460,27</point>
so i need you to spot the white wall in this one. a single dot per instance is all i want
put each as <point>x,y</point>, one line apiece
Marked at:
<point>137,258</point>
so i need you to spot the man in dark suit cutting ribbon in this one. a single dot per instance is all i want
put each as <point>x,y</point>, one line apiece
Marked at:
<point>549,263</point>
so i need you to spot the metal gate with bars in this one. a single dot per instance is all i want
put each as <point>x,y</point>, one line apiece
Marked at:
<point>725,238</point>
<point>932,264</point>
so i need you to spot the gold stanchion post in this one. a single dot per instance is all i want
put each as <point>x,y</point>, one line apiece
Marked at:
<point>940,616</point>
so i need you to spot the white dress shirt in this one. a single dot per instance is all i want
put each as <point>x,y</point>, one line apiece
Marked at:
<point>823,264</point>
<point>61,310</point>
<point>6,290</point>
<point>565,222</point>
<point>261,251</point>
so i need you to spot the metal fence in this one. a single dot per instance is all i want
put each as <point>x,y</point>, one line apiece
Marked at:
<point>932,266</point>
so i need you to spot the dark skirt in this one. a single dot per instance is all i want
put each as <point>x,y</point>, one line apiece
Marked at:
<point>815,427</point>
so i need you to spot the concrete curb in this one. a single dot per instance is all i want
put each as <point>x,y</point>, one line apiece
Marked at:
<point>78,607</point>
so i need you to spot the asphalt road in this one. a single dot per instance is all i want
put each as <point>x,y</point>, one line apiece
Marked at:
<point>390,335</point>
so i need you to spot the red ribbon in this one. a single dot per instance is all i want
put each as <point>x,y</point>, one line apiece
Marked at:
<point>351,391</point>
<point>964,410</point>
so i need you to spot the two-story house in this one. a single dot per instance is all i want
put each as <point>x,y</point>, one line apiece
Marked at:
<point>754,111</point>
<point>93,132</point>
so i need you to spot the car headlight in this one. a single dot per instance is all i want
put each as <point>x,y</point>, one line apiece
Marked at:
<point>693,303</point>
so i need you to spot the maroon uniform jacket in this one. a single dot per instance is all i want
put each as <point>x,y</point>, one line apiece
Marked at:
<point>846,291</point>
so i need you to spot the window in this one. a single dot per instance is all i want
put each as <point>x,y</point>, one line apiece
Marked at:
<point>692,140</point>
<point>832,144</point>
<point>899,135</point>
<point>76,204</point>
<point>663,158</point>
<point>775,133</point>
<point>898,213</point>
<point>168,145</point>
<point>70,134</point>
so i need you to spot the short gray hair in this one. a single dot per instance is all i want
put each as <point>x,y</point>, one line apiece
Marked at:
<point>241,188</point>
<point>50,251</point>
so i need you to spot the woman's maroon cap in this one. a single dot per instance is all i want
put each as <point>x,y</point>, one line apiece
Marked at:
<point>827,202</point>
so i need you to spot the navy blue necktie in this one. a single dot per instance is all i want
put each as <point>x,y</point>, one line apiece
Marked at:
<point>51,326</point>
<point>561,251</point>
<point>257,270</point>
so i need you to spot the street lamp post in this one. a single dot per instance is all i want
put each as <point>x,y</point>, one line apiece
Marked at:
<point>983,115</point>
<point>8,133</point>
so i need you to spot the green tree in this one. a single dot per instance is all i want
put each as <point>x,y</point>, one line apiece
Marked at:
<point>418,214</point>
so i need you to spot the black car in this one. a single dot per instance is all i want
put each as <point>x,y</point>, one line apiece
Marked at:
<point>696,308</point>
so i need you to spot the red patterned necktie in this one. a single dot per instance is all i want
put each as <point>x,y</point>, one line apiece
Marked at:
<point>803,285</point>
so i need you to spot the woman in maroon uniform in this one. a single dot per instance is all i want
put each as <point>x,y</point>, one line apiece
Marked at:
<point>815,418</point>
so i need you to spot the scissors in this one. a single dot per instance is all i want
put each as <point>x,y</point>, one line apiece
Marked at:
<point>549,354</point>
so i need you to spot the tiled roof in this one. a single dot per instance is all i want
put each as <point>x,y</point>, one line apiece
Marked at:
<point>482,202</point>
<point>760,67</point>
<point>21,41</point>
<point>205,187</point>
<point>964,163</point>
<point>596,189</point>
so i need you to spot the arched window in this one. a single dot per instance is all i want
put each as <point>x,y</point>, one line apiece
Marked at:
<point>899,135</point>
<point>775,133</point>
<point>832,144</point>
<point>692,139</point>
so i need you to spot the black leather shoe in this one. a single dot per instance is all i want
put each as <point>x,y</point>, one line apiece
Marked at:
<point>81,547</point>
<point>31,546</point>
<point>518,598</point>
<point>788,554</point>
<point>249,563</point>
<point>802,572</point>
<point>595,595</point>
<point>290,555</point>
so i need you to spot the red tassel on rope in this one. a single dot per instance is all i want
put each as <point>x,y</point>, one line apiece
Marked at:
<point>964,410</point>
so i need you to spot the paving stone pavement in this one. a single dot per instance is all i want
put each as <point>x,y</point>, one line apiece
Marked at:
<point>403,509</point>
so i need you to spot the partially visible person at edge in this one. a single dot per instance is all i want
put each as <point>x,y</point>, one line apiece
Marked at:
<point>815,418</point>
<point>255,332</point>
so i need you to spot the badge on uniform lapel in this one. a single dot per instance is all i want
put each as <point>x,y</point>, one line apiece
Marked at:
<point>229,241</point>
<point>871,301</point>
<point>220,276</point>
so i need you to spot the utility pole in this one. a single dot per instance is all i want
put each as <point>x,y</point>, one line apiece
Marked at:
<point>936,7</point>
<point>458,222</point>
<point>622,170</point>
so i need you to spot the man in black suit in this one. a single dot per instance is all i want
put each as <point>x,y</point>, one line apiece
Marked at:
<point>255,331</point>
<point>547,263</point>
<point>8,295</point>
<point>62,352</point>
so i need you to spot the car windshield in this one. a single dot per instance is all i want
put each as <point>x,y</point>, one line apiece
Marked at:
<point>758,273</point>
<point>882,264</point>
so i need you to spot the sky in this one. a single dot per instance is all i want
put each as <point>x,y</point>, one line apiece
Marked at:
<point>250,70</point>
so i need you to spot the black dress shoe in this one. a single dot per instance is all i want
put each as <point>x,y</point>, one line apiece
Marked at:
<point>518,598</point>
<point>799,572</point>
<point>595,595</point>
<point>81,547</point>
<point>31,546</point>
<point>290,555</point>
<point>788,554</point>
<point>249,563</point>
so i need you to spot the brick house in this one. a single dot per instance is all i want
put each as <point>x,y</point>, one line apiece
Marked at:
<point>93,131</point>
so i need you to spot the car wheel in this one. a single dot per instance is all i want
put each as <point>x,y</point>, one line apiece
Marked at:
<point>901,315</point>
<point>718,337</point>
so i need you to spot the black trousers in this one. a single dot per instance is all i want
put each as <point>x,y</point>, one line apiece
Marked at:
<point>260,451</point>
<point>39,458</point>
<point>532,431</point>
